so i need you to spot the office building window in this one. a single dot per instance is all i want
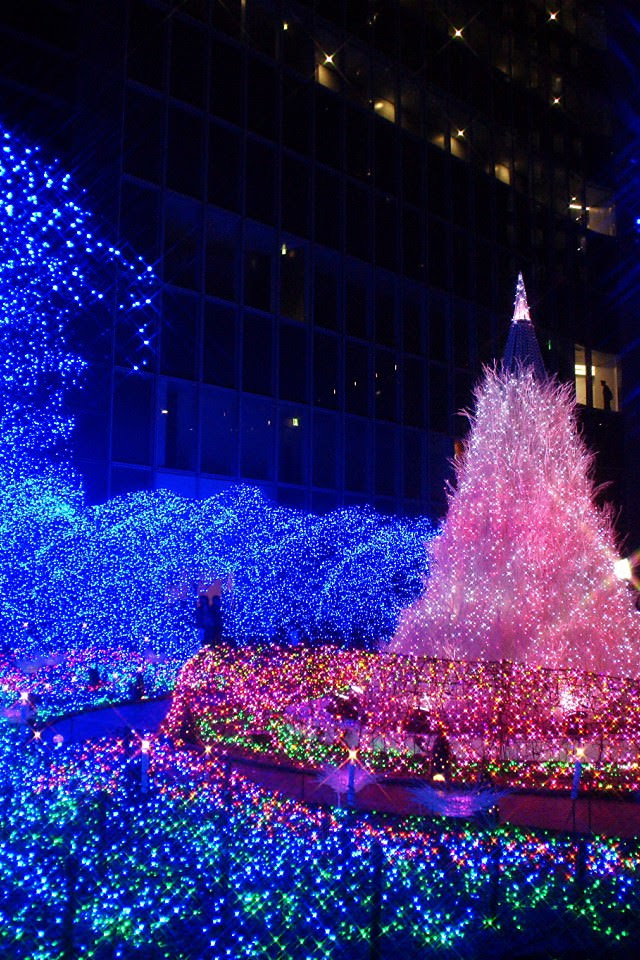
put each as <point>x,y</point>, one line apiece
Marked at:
<point>325,291</point>
<point>292,440</point>
<point>359,225</point>
<point>131,441</point>
<point>224,175</point>
<point>262,98</point>
<point>257,279</point>
<point>188,63</point>
<point>185,166</point>
<point>386,460</point>
<point>385,310</point>
<point>325,370</point>
<point>177,436</point>
<point>182,243</point>
<point>412,324</point>
<point>325,449</point>
<point>147,46</point>
<point>328,208</point>
<point>261,181</point>
<point>221,259</point>
<point>358,145</point>
<point>140,219</point>
<point>143,135</point>
<point>297,115</point>
<point>438,398</point>
<point>357,379</point>
<point>219,432</point>
<point>413,391</point>
<point>292,281</point>
<point>227,87</point>
<point>257,441</point>
<point>179,334</point>
<point>293,363</point>
<point>219,344</point>
<point>295,196</point>
<point>386,385</point>
<point>358,285</point>
<point>603,392</point>
<point>328,129</point>
<point>413,464</point>
<point>257,354</point>
<point>356,464</point>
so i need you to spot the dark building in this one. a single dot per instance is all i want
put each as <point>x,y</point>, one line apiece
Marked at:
<point>337,198</point>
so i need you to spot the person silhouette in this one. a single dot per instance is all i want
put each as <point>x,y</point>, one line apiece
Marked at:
<point>607,395</point>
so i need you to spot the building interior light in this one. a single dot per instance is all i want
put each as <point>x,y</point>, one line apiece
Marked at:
<point>328,59</point>
<point>622,569</point>
<point>457,33</point>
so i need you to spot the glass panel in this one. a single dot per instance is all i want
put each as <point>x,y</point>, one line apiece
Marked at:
<point>328,208</point>
<point>385,311</point>
<point>222,243</point>
<point>295,196</point>
<point>261,182</point>
<point>292,445</point>
<point>145,59</point>
<point>386,385</point>
<point>325,370</point>
<point>325,447</point>
<point>225,167</point>
<point>297,116</point>
<point>257,347</point>
<point>413,392</point>
<point>358,287</point>
<point>412,473</point>
<point>178,337</point>
<point>262,98</point>
<point>140,219</point>
<point>293,363</point>
<point>412,326</point>
<point>227,83</point>
<point>357,379</point>
<point>188,63</point>
<point>185,158</point>
<point>359,226</point>
<point>257,438</point>
<point>328,129</point>
<point>131,419</point>
<point>357,463</point>
<point>438,399</point>
<point>182,243</point>
<point>177,438</point>
<point>257,279</point>
<point>292,282</point>
<point>386,460</point>
<point>143,135</point>
<point>219,345</point>
<point>219,432</point>
<point>326,292</point>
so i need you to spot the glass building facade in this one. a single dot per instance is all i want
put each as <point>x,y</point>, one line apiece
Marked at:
<point>336,198</point>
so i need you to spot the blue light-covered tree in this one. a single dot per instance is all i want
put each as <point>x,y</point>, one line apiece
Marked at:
<point>55,269</point>
<point>127,571</point>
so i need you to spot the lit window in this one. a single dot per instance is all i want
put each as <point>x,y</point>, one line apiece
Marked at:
<point>603,390</point>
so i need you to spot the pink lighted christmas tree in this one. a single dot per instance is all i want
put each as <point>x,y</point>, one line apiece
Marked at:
<point>524,566</point>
